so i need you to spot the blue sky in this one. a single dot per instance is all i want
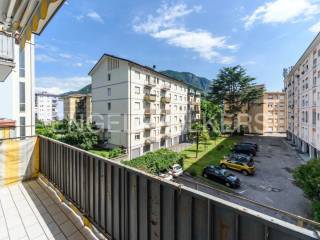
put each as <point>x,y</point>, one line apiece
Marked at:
<point>195,36</point>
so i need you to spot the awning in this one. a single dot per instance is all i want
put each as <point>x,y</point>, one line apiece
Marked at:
<point>23,17</point>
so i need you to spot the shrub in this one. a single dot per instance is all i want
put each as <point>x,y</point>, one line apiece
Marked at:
<point>220,147</point>
<point>156,162</point>
<point>316,210</point>
<point>115,152</point>
<point>193,172</point>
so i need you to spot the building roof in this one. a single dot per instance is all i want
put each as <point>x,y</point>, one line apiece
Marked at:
<point>47,94</point>
<point>7,123</point>
<point>315,41</point>
<point>143,66</point>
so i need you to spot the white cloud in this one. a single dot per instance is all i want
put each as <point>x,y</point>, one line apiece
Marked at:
<point>281,11</point>
<point>65,55</point>
<point>95,16</point>
<point>58,85</point>
<point>315,28</point>
<point>44,58</point>
<point>78,64</point>
<point>165,25</point>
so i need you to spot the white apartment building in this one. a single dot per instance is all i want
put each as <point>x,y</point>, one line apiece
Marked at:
<point>139,108</point>
<point>47,106</point>
<point>302,86</point>
<point>19,21</point>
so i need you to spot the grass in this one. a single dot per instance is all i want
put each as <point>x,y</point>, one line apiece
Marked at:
<point>209,154</point>
<point>100,152</point>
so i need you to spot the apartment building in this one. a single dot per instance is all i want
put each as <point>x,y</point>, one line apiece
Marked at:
<point>47,107</point>
<point>266,115</point>
<point>78,107</point>
<point>139,108</point>
<point>302,86</point>
<point>19,20</point>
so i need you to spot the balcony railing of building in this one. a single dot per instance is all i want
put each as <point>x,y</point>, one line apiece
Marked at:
<point>150,125</point>
<point>150,139</point>
<point>150,97</point>
<point>125,203</point>
<point>164,123</point>
<point>6,55</point>
<point>150,111</point>
<point>165,111</point>
<point>165,99</point>
<point>165,87</point>
<point>149,84</point>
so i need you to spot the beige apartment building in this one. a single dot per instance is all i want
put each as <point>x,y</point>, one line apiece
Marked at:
<point>139,108</point>
<point>303,96</point>
<point>78,107</point>
<point>267,115</point>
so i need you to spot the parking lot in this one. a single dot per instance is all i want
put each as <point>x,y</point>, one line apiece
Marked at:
<point>272,184</point>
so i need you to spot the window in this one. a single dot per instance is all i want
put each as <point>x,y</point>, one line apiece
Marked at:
<point>109,106</point>
<point>137,121</point>
<point>22,63</point>
<point>137,105</point>
<point>109,76</point>
<point>137,136</point>
<point>137,90</point>
<point>22,96</point>
<point>109,92</point>
<point>137,73</point>
<point>22,126</point>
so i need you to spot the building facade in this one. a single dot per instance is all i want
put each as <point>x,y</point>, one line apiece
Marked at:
<point>78,107</point>
<point>139,108</point>
<point>266,115</point>
<point>47,107</point>
<point>303,97</point>
<point>17,90</point>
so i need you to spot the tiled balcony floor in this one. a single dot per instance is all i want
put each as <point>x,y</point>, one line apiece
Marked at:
<point>30,210</point>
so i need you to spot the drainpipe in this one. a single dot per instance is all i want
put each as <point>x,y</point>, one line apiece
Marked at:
<point>129,127</point>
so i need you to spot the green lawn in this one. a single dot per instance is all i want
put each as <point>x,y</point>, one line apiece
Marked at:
<point>102,153</point>
<point>208,155</point>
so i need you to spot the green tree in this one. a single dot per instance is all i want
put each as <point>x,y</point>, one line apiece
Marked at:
<point>307,177</point>
<point>80,135</point>
<point>234,88</point>
<point>211,114</point>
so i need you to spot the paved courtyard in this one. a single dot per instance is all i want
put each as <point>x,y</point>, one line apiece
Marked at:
<point>30,210</point>
<point>273,184</point>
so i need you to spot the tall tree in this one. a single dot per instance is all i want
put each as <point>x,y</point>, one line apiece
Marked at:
<point>234,88</point>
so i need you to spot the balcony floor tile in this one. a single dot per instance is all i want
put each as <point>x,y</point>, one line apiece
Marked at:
<point>30,210</point>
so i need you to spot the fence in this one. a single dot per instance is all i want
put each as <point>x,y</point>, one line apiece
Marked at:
<point>124,203</point>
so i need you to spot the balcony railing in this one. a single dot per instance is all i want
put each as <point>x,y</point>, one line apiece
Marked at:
<point>149,84</point>
<point>165,111</point>
<point>165,87</point>
<point>150,139</point>
<point>6,55</point>
<point>165,99</point>
<point>165,124</point>
<point>150,125</point>
<point>150,111</point>
<point>150,97</point>
<point>125,203</point>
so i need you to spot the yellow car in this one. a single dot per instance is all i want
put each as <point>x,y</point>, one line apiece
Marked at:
<point>239,162</point>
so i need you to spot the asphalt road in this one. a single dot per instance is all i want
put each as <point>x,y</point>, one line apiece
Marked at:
<point>271,185</point>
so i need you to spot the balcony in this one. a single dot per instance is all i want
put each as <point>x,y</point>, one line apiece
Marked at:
<point>165,87</point>
<point>164,123</point>
<point>79,193</point>
<point>150,97</point>
<point>150,111</point>
<point>6,55</point>
<point>150,125</point>
<point>165,111</point>
<point>149,84</point>
<point>165,99</point>
<point>150,139</point>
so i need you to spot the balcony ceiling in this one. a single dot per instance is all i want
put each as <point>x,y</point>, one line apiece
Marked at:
<point>27,16</point>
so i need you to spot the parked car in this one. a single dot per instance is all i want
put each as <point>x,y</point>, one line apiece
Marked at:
<point>176,170</point>
<point>239,162</point>
<point>244,149</point>
<point>166,176</point>
<point>250,144</point>
<point>221,175</point>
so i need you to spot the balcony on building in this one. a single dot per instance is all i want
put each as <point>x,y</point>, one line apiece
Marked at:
<point>149,111</point>
<point>164,124</point>
<point>150,97</point>
<point>165,111</point>
<point>7,62</point>
<point>149,125</point>
<point>149,84</point>
<point>165,100</point>
<point>149,139</point>
<point>165,87</point>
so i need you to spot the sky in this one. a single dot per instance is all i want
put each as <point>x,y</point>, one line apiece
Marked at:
<point>198,36</point>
